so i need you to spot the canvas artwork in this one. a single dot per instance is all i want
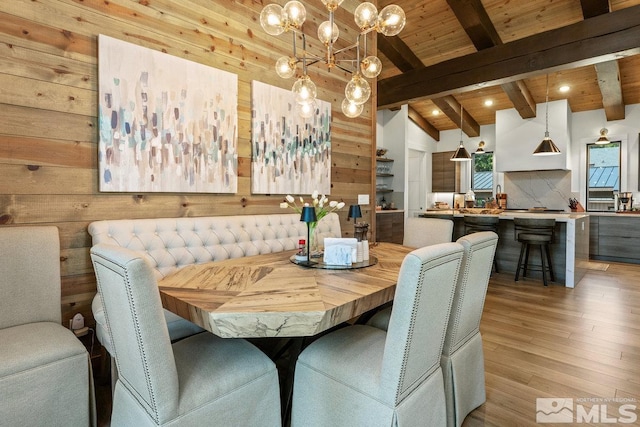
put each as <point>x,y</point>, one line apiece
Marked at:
<point>290,154</point>
<point>166,124</point>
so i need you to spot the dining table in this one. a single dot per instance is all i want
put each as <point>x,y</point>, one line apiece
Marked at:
<point>270,296</point>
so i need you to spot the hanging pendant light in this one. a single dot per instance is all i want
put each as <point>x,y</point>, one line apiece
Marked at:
<point>546,147</point>
<point>461,153</point>
<point>603,137</point>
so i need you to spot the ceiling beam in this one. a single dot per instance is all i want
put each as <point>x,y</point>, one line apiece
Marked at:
<point>395,49</point>
<point>591,8</point>
<point>423,124</point>
<point>480,29</point>
<point>451,107</point>
<point>609,82</point>
<point>587,42</point>
<point>608,72</point>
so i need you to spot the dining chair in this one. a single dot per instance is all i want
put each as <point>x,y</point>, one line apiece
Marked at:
<point>45,371</point>
<point>462,359</point>
<point>200,380</point>
<point>419,232</point>
<point>364,376</point>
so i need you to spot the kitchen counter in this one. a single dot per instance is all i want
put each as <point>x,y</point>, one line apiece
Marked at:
<point>570,251</point>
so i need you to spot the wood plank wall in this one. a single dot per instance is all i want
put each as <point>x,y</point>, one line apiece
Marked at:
<point>49,101</point>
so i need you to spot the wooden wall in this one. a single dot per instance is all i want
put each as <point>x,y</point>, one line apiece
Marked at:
<point>49,101</point>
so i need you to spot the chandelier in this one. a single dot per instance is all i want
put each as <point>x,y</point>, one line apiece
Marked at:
<point>276,19</point>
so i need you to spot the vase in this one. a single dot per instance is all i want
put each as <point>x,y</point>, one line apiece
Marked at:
<point>313,239</point>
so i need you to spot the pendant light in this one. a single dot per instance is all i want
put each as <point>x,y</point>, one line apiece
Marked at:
<point>461,153</point>
<point>546,147</point>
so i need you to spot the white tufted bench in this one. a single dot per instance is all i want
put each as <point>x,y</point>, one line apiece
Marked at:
<point>168,244</point>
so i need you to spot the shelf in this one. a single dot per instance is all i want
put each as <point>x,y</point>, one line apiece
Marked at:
<point>384,190</point>
<point>383,159</point>
<point>384,175</point>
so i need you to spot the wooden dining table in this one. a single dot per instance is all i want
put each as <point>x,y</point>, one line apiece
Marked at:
<point>270,296</point>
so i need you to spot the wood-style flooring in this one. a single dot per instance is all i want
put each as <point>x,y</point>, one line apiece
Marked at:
<point>550,342</point>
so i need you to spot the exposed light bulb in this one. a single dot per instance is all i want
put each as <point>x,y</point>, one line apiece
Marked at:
<point>371,67</point>
<point>304,90</point>
<point>286,67</point>
<point>295,13</point>
<point>365,15</point>
<point>357,90</point>
<point>328,33</point>
<point>306,109</point>
<point>391,20</point>
<point>271,19</point>
<point>350,109</point>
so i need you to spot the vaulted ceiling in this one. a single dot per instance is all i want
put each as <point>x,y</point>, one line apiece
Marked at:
<point>461,53</point>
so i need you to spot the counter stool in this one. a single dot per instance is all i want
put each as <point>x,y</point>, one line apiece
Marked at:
<point>476,223</point>
<point>538,232</point>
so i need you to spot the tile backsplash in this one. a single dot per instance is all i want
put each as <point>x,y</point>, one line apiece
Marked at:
<point>550,189</point>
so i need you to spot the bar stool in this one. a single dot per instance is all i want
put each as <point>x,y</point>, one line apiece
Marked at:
<point>537,232</point>
<point>476,223</point>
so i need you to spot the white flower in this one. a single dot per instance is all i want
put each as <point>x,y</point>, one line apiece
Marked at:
<point>340,205</point>
<point>284,205</point>
<point>333,204</point>
<point>314,195</point>
<point>290,198</point>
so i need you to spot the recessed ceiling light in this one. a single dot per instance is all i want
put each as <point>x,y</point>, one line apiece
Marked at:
<point>564,88</point>
<point>435,112</point>
<point>488,103</point>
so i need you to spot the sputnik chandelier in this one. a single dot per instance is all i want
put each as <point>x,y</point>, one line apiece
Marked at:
<point>276,19</point>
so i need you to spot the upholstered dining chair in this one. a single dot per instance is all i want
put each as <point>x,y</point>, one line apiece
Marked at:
<point>419,232</point>
<point>364,376</point>
<point>200,380</point>
<point>462,358</point>
<point>45,371</point>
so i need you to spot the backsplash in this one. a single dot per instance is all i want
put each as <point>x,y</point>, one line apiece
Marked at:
<point>550,189</point>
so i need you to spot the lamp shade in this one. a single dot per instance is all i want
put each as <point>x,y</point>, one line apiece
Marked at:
<point>546,148</point>
<point>354,212</point>
<point>308,214</point>
<point>461,154</point>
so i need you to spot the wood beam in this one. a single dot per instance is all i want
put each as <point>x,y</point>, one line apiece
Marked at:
<point>591,41</point>
<point>591,8</point>
<point>398,53</point>
<point>521,98</point>
<point>423,124</point>
<point>476,22</point>
<point>609,82</point>
<point>478,26</point>
<point>451,107</point>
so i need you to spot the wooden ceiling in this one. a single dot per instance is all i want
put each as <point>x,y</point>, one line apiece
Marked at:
<point>455,53</point>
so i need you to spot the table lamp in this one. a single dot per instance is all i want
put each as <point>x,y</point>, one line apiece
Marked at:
<point>355,212</point>
<point>308,215</point>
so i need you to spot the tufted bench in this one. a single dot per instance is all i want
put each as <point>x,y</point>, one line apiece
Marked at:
<point>168,244</point>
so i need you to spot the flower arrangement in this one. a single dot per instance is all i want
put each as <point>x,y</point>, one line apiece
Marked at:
<point>322,205</point>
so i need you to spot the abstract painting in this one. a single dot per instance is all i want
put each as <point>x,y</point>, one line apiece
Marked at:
<point>166,124</point>
<point>290,154</point>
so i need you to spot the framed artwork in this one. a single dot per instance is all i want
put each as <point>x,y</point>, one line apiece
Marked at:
<point>290,154</point>
<point>166,124</point>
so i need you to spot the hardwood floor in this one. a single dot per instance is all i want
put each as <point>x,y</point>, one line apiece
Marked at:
<point>553,342</point>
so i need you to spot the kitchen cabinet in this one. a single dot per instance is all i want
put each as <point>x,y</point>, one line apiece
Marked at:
<point>619,238</point>
<point>445,174</point>
<point>390,226</point>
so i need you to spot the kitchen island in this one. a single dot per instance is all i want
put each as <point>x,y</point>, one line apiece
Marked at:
<point>570,249</point>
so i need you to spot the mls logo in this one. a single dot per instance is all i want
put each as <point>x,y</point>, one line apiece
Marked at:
<point>554,410</point>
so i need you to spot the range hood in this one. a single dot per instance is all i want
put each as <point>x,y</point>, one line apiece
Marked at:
<point>517,138</point>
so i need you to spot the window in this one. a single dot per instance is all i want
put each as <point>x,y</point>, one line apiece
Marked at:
<point>482,177</point>
<point>603,179</point>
